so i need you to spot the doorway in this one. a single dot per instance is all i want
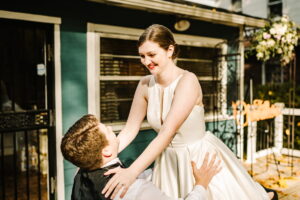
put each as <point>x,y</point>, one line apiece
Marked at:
<point>27,129</point>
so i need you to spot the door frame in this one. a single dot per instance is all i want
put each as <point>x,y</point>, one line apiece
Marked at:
<point>56,21</point>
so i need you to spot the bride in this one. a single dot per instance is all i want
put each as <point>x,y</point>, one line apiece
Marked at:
<point>172,100</point>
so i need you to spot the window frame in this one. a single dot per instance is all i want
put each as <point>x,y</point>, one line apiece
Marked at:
<point>96,31</point>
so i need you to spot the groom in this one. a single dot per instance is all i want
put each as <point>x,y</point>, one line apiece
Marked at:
<point>93,147</point>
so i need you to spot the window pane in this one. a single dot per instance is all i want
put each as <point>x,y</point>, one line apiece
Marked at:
<point>198,60</point>
<point>276,10</point>
<point>118,46</point>
<point>210,87</point>
<point>111,66</point>
<point>196,52</point>
<point>120,58</point>
<point>116,98</point>
<point>210,90</point>
<point>236,5</point>
<point>275,1</point>
<point>114,111</point>
<point>199,68</point>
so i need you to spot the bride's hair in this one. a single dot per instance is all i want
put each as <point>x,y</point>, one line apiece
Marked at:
<point>161,35</point>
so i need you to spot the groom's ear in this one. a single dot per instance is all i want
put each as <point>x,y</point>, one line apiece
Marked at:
<point>106,152</point>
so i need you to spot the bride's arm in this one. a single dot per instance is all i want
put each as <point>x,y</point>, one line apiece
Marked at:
<point>136,115</point>
<point>183,102</point>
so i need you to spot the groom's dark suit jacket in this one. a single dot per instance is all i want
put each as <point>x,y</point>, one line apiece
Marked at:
<point>89,184</point>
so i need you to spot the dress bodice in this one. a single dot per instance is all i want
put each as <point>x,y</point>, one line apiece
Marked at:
<point>159,103</point>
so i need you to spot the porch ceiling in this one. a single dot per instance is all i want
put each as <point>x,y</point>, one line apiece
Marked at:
<point>188,11</point>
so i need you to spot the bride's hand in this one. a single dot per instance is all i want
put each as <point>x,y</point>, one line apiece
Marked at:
<point>123,178</point>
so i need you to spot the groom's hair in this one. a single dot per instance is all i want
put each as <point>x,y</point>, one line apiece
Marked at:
<point>83,143</point>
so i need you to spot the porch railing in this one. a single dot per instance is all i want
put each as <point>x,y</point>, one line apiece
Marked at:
<point>24,157</point>
<point>272,137</point>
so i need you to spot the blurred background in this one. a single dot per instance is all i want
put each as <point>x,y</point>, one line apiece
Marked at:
<point>61,60</point>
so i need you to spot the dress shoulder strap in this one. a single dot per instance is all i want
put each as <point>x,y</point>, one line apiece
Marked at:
<point>152,81</point>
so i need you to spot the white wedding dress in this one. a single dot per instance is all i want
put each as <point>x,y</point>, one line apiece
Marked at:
<point>172,171</point>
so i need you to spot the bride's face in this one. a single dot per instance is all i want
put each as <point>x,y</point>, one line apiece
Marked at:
<point>154,57</point>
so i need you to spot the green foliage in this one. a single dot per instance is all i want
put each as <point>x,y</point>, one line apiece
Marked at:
<point>297,133</point>
<point>281,93</point>
<point>278,92</point>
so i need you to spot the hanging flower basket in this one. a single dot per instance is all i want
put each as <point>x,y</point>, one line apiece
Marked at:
<point>277,40</point>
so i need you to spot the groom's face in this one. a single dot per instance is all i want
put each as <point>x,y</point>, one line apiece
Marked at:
<point>113,141</point>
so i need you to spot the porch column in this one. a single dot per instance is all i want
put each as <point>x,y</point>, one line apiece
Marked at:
<point>278,130</point>
<point>240,79</point>
<point>251,142</point>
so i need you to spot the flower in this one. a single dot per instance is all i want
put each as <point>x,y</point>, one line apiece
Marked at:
<point>259,55</point>
<point>273,31</point>
<point>266,36</point>
<point>280,29</point>
<point>289,37</point>
<point>276,40</point>
<point>270,43</point>
<point>285,19</point>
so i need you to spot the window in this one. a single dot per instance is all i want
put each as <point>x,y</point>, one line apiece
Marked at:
<point>200,60</point>
<point>118,68</point>
<point>275,8</point>
<point>236,5</point>
<point>120,71</point>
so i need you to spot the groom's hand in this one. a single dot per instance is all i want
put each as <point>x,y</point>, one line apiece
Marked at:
<point>206,172</point>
